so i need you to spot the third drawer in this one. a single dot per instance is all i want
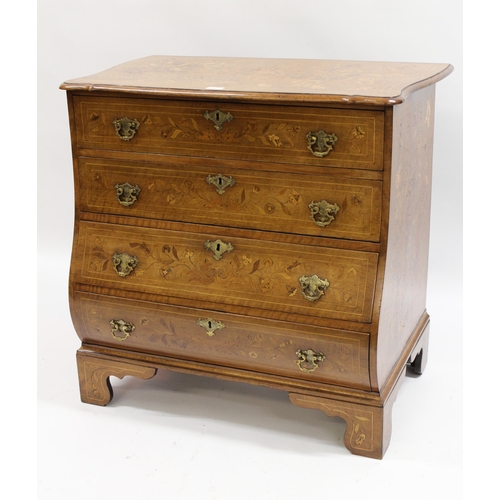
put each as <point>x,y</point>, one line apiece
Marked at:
<point>310,280</point>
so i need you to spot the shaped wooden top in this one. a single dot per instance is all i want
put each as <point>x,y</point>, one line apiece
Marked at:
<point>299,80</point>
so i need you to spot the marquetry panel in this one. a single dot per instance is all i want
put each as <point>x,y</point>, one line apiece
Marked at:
<point>266,346</point>
<point>272,201</point>
<point>257,274</point>
<point>255,132</point>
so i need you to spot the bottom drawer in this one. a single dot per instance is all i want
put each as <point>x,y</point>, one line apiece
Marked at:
<point>279,348</point>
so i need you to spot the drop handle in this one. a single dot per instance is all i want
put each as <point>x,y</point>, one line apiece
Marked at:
<point>309,359</point>
<point>313,287</point>
<point>126,194</point>
<point>126,128</point>
<point>320,143</point>
<point>124,263</point>
<point>121,329</point>
<point>323,213</point>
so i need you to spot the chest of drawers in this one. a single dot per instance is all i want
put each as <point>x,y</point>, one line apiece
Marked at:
<point>259,220</point>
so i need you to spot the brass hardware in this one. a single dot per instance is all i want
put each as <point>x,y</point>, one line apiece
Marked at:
<point>121,329</point>
<point>125,128</point>
<point>310,359</point>
<point>127,194</point>
<point>221,182</point>
<point>210,325</point>
<point>313,287</point>
<point>321,141</point>
<point>218,117</point>
<point>218,247</point>
<point>322,213</point>
<point>124,263</point>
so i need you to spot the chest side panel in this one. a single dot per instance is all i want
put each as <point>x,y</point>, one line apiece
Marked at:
<point>405,281</point>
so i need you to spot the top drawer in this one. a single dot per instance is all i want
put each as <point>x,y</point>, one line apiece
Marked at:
<point>287,134</point>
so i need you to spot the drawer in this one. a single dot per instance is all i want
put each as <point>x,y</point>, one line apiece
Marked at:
<point>255,132</point>
<point>265,200</point>
<point>255,273</point>
<point>233,341</point>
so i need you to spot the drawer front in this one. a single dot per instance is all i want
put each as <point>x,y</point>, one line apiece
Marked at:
<point>247,343</point>
<point>271,201</point>
<point>255,132</point>
<point>250,273</point>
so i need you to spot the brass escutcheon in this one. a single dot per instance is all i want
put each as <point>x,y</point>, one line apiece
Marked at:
<point>221,182</point>
<point>127,194</point>
<point>218,247</point>
<point>210,325</point>
<point>124,263</point>
<point>310,359</point>
<point>322,212</point>
<point>121,329</point>
<point>218,117</point>
<point>320,143</point>
<point>125,128</point>
<point>313,287</point>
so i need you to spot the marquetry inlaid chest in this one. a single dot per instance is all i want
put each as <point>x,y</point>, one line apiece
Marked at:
<point>259,220</point>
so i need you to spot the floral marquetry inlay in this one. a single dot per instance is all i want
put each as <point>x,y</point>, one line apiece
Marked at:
<point>240,198</point>
<point>247,344</point>
<point>180,128</point>
<point>267,134</point>
<point>254,273</point>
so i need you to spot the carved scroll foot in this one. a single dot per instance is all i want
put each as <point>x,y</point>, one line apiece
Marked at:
<point>94,372</point>
<point>368,429</point>
<point>418,357</point>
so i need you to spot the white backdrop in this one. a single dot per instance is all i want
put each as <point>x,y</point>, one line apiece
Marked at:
<point>186,436</point>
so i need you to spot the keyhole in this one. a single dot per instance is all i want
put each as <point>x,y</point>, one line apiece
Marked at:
<point>217,116</point>
<point>218,247</point>
<point>220,181</point>
<point>210,325</point>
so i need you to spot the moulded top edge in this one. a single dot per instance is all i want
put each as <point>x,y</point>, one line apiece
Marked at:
<point>300,80</point>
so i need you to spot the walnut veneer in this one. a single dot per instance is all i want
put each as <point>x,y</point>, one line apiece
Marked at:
<point>259,220</point>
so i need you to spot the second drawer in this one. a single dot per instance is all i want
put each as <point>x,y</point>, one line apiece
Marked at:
<point>272,201</point>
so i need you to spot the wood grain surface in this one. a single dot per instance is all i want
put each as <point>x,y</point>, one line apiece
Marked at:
<point>244,316</point>
<point>406,260</point>
<point>251,344</point>
<point>255,274</point>
<point>263,200</point>
<point>256,132</point>
<point>344,82</point>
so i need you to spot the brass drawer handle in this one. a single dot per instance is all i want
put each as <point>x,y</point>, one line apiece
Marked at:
<point>320,143</point>
<point>218,117</point>
<point>121,329</point>
<point>313,287</point>
<point>221,182</point>
<point>126,194</point>
<point>124,263</point>
<point>210,325</point>
<point>125,128</point>
<point>218,247</point>
<point>310,359</point>
<point>322,212</point>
